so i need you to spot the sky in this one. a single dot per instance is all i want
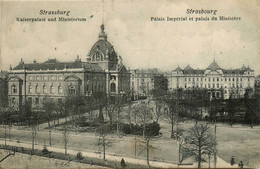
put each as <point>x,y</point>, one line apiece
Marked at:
<point>142,43</point>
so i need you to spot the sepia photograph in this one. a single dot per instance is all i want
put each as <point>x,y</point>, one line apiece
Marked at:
<point>130,84</point>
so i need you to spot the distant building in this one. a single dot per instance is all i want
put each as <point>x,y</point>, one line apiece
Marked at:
<point>145,81</point>
<point>3,89</point>
<point>230,82</point>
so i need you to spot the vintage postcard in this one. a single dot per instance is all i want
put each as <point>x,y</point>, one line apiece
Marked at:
<point>130,84</point>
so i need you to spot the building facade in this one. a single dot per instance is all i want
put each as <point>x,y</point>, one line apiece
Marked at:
<point>36,82</point>
<point>145,81</point>
<point>3,89</point>
<point>103,72</point>
<point>221,83</point>
<point>104,55</point>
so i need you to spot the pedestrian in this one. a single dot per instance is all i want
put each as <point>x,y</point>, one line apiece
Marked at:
<point>232,162</point>
<point>123,164</point>
<point>241,165</point>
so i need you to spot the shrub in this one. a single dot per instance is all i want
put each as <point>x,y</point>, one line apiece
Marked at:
<point>152,129</point>
<point>79,156</point>
<point>45,150</point>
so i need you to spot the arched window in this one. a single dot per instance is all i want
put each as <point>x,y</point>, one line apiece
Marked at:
<point>59,89</point>
<point>37,89</point>
<point>113,87</point>
<point>72,90</point>
<point>44,89</point>
<point>30,89</point>
<point>13,89</point>
<point>52,89</point>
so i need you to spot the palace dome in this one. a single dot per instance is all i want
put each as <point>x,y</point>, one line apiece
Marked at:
<point>104,47</point>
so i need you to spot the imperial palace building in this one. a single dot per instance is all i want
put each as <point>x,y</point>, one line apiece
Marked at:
<point>220,82</point>
<point>103,72</point>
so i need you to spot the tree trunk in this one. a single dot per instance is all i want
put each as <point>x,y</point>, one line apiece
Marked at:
<point>147,152</point>
<point>172,133</point>
<point>32,139</point>
<point>144,125</point>
<point>104,149</point>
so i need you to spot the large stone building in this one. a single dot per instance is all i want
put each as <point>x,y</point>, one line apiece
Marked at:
<point>145,81</point>
<point>3,89</point>
<point>104,55</point>
<point>36,82</point>
<point>222,83</point>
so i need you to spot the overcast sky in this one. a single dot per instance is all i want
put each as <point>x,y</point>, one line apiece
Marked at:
<point>141,42</point>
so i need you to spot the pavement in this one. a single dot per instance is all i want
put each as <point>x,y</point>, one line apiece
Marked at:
<point>137,161</point>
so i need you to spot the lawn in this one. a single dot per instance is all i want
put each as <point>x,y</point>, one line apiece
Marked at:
<point>240,141</point>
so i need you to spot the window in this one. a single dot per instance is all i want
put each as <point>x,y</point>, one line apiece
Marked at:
<point>213,79</point>
<point>37,101</point>
<point>37,90</point>
<point>13,89</point>
<point>213,85</point>
<point>44,89</point>
<point>208,85</point>
<point>52,89</point>
<point>59,89</point>
<point>113,87</point>
<point>217,79</point>
<point>72,90</point>
<point>225,79</point>
<point>30,89</point>
<point>59,100</point>
<point>217,85</point>
<point>30,100</point>
<point>209,79</point>
<point>13,101</point>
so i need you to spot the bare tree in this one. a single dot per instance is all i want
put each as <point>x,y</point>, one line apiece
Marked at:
<point>110,112</point>
<point>158,108</point>
<point>144,115</point>
<point>146,145</point>
<point>200,142</point>
<point>65,137</point>
<point>49,107</point>
<point>102,132</point>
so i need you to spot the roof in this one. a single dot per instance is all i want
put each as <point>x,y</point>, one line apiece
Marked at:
<point>188,68</point>
<point>147,71</point>
<point>53,64</point>
<point>178,69</point>
<point>213,66</point>
<point>104,46</point>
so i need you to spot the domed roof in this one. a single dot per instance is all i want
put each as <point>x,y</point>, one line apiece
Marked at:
<point>104,46</point>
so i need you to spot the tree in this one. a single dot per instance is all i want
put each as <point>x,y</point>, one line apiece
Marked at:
<point>144,115</point>
<point>158,108</point>
<point>146,144</point>
<point>65,137</point>
<point>173,114</point>
<point>200,142</point>
<point>102,132</point>
<point>31,118</point>
<point>49,106</point>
